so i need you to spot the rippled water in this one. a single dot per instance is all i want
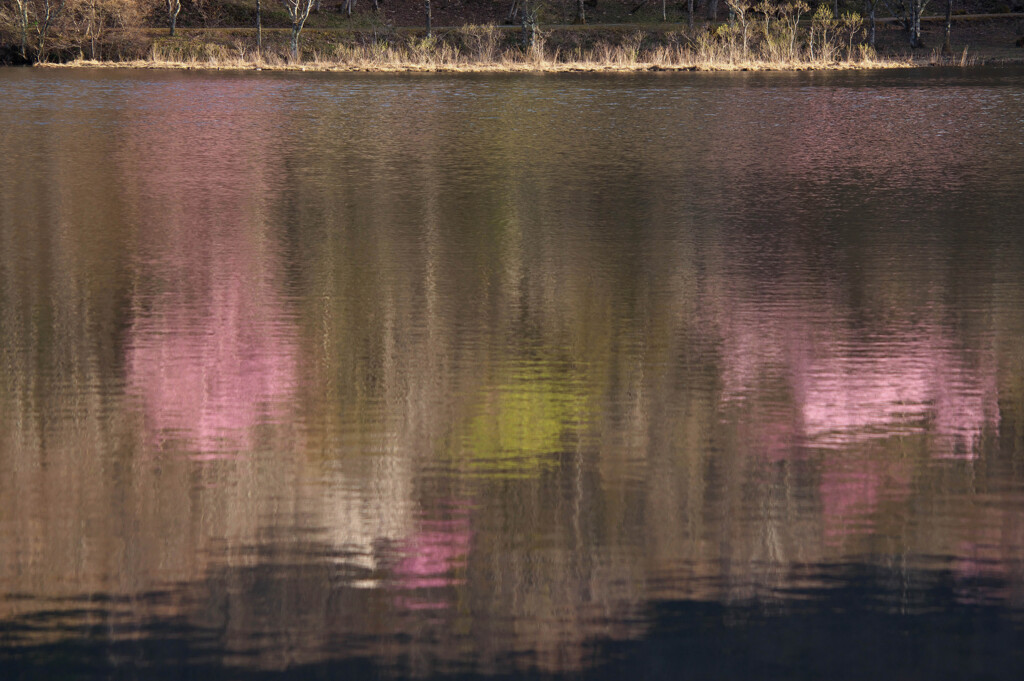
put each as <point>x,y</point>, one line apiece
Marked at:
<point>320,376</point>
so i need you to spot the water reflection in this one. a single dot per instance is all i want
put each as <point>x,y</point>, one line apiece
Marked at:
<point>852,382</point>
<point>868,609</point>
<point>325,382</point>
<point>211,352</point>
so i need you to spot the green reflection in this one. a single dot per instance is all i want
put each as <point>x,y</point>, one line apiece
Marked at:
<point>522,423</point>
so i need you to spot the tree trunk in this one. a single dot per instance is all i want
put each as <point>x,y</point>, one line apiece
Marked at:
<point>916,7</point>
<point>92,29</point>
<point>173,7</point>
<point>259,30</point>
<point>871,24</point>
<point>427,3</point>
<point>947,48</point>
<point>712,8</point>
<point>664,12</point>
<point>50,12</point>
<point>689,11</point>
<point>581,12</point>
<point>527,32</point>
<point>299,11</point>
<point>23,17</point>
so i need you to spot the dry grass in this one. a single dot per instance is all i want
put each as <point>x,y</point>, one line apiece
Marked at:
<point>487,49</point>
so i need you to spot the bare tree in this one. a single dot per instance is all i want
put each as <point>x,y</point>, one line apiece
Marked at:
<point>528,13</point>
<point>581,12</point>
<point>712,10</point>
<point>871,7</point>
<point>37,19</point>
<point>790,16</point>
<point>50,12</point>
<point>298,12</point>
<point>91,19</point>
<point>93,22</point>
<point>916,10</point>
<point>739,9</point>
<point>909,14</point>
<point>173,8</point>
<point>22,9</point>
<point>427,8</point>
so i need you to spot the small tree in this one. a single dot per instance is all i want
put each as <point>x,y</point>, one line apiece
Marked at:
<point>852,24</point>
<point>791,14</point>
<point>739,9</point>
<point>298,12</point>
<point>823,23</point>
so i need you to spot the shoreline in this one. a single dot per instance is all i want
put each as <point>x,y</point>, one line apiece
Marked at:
<point>511,67</point>
<point>553,49</point>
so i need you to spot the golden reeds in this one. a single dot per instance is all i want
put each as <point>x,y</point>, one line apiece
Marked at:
<point>487,49</point>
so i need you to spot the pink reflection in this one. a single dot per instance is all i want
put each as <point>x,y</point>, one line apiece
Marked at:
<point>209,374</point>
<point>917,385</point>
<point>797,373</point>
<point>433,558</point>
<point>847,389</point>
<point>212,353</point>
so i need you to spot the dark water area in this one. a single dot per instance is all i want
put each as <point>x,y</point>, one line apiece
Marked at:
<point>317,376</point>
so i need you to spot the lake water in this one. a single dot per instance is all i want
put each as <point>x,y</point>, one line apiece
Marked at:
<point>333,376</point>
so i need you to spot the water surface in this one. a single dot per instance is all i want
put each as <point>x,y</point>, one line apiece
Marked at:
<point>334,376</point>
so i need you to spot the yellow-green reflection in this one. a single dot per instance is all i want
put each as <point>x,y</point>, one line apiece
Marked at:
<point>521,425</point>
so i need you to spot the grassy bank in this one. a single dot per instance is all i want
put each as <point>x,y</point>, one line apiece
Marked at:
<point>779,41</point>
<point>494,49</point>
